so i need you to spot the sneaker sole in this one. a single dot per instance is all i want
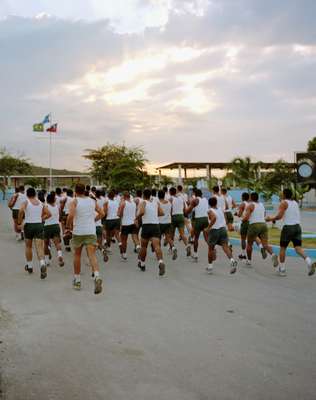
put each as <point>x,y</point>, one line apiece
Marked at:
<point>98,286</point>
<point>43,272</point>
<point>312,271</point>
<point>162,269</point>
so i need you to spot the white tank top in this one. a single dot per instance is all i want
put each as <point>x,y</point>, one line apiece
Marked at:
<point>58,200</point>
<point>177,205</point>
<point>67,204</point>
<point>202,208</point>
<point>244,212</point>
<point>220,218</point>
<point>84,220</point>
<point>220,202</point>
<point>33,214</point>
<point>113,206</point>
<point>54,219</point>
<point>257,215</point>
<point>229,201</point>
<point>100,203</point>
<point>166,218</point>
<point>151,213</point>
<point>129,213</point>
<point>21,198</point>
<point>292,213</point>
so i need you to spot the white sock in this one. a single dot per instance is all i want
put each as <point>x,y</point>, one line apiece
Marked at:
<point>160,261</point>
<point>138,246</point>
<point>47,259</point>
<point>173,248</point>
<point>30,264</point>
<point>260,246</point>
<point>42,262</point>
<point>243,252</point>
<point>195,255</point>
<point>142,263</point>
<point>120,244</point>
<point>308,261</point>
<point>281,266</point>
<point>232,260</point>
<point>59,253</point>
<point>96,274</point>
<point>77,278</point>
<point>124,255</point>
<point>210,265</point>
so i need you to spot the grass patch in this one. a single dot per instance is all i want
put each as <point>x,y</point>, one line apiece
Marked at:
<point>274,238</point>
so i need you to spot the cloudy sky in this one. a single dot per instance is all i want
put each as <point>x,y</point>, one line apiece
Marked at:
<point>191,80</point>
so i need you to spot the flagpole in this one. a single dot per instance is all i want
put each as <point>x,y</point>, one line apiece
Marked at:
<point>50,162</point>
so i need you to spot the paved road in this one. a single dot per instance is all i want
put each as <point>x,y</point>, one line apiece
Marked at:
<point>188,336</point>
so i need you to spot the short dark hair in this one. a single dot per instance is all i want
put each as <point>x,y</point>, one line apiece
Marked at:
<point>50,198</point>
<point>79,188</point>
<point>88,187</point>
<point>224,190</point>
<point>173,191</point>
<point>126,194</point>
<point>64,189</point>
<point>154,192</point>
<point>180,188</point>
<point>98,194</point>
<point>199,193</point>
<point>93,189</point>
<point>31,192</point>
<point>41,196</point>
<point>288,194</point>
<point>139,193</point>
<point>216,189</point>
<point>21,188</point>
<point>165,189</point>
<point>212,201</point>
<point>245,196</point>
<point>111,194</point>
<point>161,194</point>
<point>147,194</point>
<point>70,192</point>
<point>58,191</point>
<point>254,196</point>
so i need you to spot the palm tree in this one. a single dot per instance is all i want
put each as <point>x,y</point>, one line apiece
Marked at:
<point>246,173</point>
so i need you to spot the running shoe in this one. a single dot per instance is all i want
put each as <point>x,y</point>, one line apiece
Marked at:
<point>29,270</point>
<point>68,248</point>
<point>248,263</point>
<point>43,271</point>
<point>162,269</point>
<point>275,260</point>
<point>141,267</point>
<point>76,284</point>
<point>281,271</point>
<point>311,269</point>
<point>124,258</point>
<point>263,253</point>
<point>233,267</point>
<point>105,255</point>
<point>61,261</point>
<point>174,254</point>
<point>209,269</point>
<point>98,285</point>
<point>195,258</point>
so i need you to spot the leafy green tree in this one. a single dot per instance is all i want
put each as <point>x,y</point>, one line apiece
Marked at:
<point>117,166</point>
<point>10,165</point>
<point>246,173</point>
<point>311,146</point>
<point>33,181</point>
<point>281,176</point>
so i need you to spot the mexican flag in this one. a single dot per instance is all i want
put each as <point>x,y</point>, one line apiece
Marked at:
<point>38,128</point>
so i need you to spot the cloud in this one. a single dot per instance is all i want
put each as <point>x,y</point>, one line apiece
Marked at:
<point>204,81</point>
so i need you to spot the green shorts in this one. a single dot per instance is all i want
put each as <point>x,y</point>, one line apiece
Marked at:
<point>217,237</point>
<point>199,224</point>
<point>259,230</point>
<point>177,221</point>
<point>150,231</point>
<point>165,229</point>
<point>229,217</point>
<point>84,240</point>
<point>112,224</point>
<point>291,233</point>
<point>34,231</point>
<point>244,228</point>
<point>15,214</point>
<point>51,231</point>
<point>98,231</point>
<point>129,230</point>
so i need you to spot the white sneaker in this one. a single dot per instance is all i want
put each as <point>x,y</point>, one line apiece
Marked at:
<point>248,263</point>
<point>195,258</point>
<point>209,269</point>
<point>275,260</point>
<point>233,267</point>
<point>281,271</point>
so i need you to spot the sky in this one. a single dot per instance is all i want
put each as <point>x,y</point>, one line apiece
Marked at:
<point>187,80</point>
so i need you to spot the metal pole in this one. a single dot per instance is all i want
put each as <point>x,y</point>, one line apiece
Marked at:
<point>50,162</point>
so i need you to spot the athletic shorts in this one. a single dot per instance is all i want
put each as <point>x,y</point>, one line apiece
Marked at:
<point>98,231</point>
<point>244,228</point>
<point>51,231</point>
<point>34,231</point>
<point>113,224</point>
<point>229,217</point>
<point>259,230</point>
<point>177,221</point>
<point>291,233</point>
<point>15,214</point>
<point>150,231</point>
<point>199,224</point>
<point>217,237</point>
<point>165,229</point>
<point>129,230</point>
<point>84,240</point>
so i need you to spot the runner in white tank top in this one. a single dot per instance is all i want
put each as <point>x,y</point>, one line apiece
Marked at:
<point>230,205</point>
<point>165,224</point>
<point>15,204</point>
<point>242,227</point>
<point>112,220</point>
<point>81,220</point>
<point>127,213</point>
<point>217,235</point>
<point>34,212</point>
<point>52,230</point>
<point>291,232</point>
<point>149,212</point>
<point>255,215</point>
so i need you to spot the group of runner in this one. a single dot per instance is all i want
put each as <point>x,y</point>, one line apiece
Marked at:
<point>91,218</point>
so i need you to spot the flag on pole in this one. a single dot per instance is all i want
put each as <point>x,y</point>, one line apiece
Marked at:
<point>47,119</point>
<point>52,128</point>
<point>38,127</point>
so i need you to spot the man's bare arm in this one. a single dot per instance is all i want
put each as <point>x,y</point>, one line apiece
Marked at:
<point>282,208</point>
<point>249,211</point>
